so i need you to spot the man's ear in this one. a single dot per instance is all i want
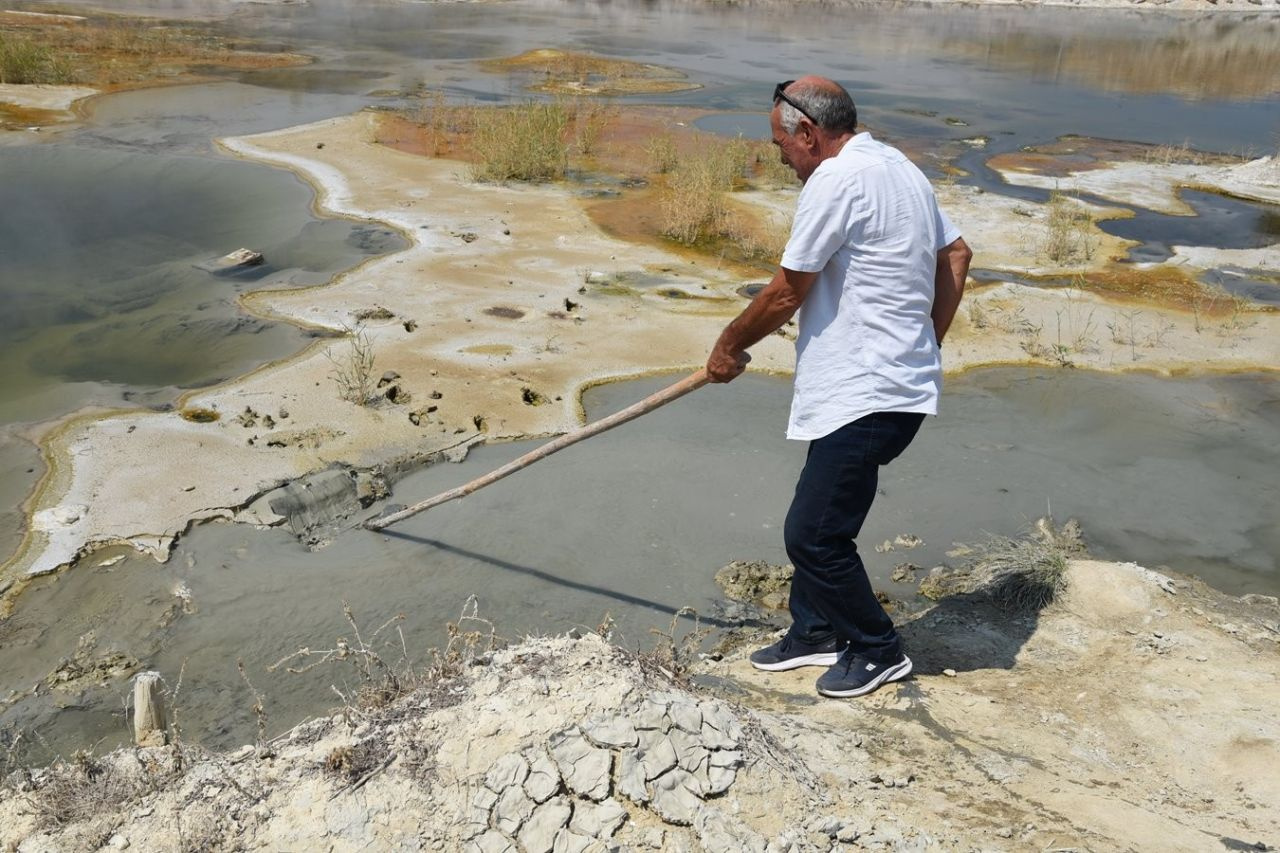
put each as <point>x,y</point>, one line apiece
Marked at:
<point>806,133</point>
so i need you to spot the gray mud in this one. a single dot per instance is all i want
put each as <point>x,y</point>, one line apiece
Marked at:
<point>635,522</point>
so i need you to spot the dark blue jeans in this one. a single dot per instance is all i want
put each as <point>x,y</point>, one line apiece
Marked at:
<point>830,591</point>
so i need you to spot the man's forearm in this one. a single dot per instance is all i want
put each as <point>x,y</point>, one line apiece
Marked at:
<point>948,285</point>
<point>771,308</point>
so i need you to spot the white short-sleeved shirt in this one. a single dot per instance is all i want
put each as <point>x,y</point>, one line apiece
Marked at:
<point>868,223</point>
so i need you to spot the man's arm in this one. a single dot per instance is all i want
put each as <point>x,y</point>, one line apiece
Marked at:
<point>948,284</point>
<point>771,308</point>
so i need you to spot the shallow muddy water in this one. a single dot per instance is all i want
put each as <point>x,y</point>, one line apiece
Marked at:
<point>635,522</point>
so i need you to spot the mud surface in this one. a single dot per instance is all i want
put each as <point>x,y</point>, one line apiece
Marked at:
<point>635,523</point>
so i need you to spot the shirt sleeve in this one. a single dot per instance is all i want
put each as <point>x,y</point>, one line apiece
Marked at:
<point>821,224</point>
<point>948,233</point>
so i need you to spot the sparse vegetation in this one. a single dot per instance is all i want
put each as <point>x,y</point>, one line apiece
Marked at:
<point>694,200</point>
<point>520,143</point>
<point>353,370</point>
<point>110,51</point>
<point>1068,236</point>
<point>1022,574</point>
<point>22,60</point>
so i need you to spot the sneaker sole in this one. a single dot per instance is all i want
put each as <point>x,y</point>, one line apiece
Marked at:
<point>893,673</point>
<point>821,659</point>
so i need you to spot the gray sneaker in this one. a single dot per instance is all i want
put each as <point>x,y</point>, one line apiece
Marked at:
<point>790,653</point>
<point>854,675</point>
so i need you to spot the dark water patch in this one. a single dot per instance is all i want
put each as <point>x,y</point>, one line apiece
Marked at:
<point>99,274</point>
<point>1245,283</point>
<point>1219,222</point>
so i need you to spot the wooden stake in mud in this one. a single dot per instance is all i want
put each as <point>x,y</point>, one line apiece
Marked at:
<point>150,724</point>
<point>648,404</point>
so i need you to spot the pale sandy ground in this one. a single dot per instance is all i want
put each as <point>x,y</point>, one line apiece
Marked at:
<point>140,478</point>
<point>1136,713</point>
<point>1153,185</point>
<point>44,97</point>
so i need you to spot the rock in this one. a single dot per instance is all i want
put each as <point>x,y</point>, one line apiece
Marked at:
<point>239,258</point>
<point>752,580</point>
<point>543,780</point>
<point>506,771</point>
<point>598,820</point>
<point>903,572</point>
<point>387,378</point>
<point>673,799</point>
<point>539,832</point>
<point>118,842</point>
<point>612,731</point>
<point>949,673</point>
<point>584,768</point>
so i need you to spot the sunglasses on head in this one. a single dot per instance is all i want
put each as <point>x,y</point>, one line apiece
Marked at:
<point>779,94</point>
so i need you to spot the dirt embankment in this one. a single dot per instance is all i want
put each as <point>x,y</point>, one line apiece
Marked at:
<point>1135,712</point>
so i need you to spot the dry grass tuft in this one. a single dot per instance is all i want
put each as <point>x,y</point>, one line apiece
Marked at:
<point>1020,575</point>
<point>694,201</point>
<point>520,143</point>
<point>1069,236</point>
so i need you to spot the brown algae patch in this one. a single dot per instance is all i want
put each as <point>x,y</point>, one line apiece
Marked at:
<point>199,415</point>
<point>564,72</point>
<point>504,311</point>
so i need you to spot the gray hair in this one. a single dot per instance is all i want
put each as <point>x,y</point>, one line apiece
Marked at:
<point>829,109</point>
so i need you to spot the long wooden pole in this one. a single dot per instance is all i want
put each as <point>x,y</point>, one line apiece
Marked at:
<point>648,404</point>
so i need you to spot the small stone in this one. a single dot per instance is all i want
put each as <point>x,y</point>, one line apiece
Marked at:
<point>118,842</point>
<point>539,832</point>
<point>388,377</point>
<point>949,673</point>
<point>1005,832</point>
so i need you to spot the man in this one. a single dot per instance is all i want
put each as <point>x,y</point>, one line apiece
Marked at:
<point>876,272</point>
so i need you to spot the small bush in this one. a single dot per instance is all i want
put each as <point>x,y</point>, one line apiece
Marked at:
<point>1068,231</point>
<point>694,203</point>
<point>353,372</point>
<point>23,61</point>
<point>520,143</point>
